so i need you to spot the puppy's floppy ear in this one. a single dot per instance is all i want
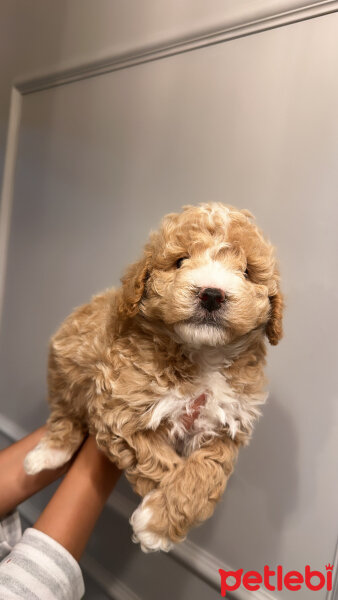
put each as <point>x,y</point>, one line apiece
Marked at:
<point>133,283</point>
<point>274,327</point>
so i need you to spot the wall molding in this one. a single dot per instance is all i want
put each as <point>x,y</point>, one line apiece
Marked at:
<point>8,185</point>
<point>11,430</point>
<point>333,594</point>
<point>261,16</point>
<point>280,14</point>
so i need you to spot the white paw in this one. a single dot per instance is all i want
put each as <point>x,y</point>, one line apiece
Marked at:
<point>45,457</point>
<point>149,541</point>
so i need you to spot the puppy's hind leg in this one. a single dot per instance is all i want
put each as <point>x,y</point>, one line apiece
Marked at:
<point>57,446</point>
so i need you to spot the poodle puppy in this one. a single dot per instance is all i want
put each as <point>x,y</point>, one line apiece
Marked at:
<point>167,370</point>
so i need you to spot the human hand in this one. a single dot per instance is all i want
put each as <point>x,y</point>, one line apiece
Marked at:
<point>73,510</point>
<point>71,514</point>
<point>16,486</point>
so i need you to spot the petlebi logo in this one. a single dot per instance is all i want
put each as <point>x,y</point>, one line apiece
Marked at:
<point>277,579</point>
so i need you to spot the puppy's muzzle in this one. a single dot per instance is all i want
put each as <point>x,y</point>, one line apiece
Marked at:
<point>211,298</point>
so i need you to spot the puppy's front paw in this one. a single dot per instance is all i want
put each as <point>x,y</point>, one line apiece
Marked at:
<point>45,457</point>
<point>140,520</point>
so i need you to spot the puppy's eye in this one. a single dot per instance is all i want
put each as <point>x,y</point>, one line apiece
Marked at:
<point>246,273</point>
<point>180,261</point>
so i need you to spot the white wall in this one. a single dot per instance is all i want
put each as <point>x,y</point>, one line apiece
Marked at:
<point>38,36</point>
<point>250,121</point>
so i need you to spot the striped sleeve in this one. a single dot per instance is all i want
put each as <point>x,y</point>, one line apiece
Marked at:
<point>10,532</point>
<point>39,568</point>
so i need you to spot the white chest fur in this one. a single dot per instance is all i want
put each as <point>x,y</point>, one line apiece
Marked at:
<point>223,408</point>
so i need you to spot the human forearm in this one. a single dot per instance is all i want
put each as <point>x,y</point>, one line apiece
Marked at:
<point>72,512</point>
<point>15,484</point>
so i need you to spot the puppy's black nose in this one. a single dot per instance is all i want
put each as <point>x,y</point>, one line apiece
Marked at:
<point>211,298</point>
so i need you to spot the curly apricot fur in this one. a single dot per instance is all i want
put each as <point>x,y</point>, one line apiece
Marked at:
<point>114,358</point>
